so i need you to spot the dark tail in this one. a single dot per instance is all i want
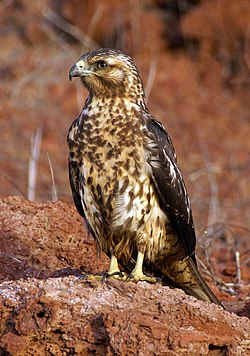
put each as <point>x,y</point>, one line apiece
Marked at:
<point>202,291</point>
<point>185,275</point>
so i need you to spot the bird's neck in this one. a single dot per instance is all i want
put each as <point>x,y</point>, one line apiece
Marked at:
<point>102,114</point>
<point>114,103</point>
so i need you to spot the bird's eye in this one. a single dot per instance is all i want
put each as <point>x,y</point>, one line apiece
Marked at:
<point>102,64</point>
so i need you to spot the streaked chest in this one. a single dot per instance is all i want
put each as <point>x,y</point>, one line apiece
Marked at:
<point>107,139</point>
<point>107,144</point>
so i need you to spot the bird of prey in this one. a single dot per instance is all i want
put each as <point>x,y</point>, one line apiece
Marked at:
<point>125,180</point>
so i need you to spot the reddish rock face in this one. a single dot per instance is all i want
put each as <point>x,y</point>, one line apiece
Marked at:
<point>38,239</point>
<point>66,315</point>
<point>46,309</point>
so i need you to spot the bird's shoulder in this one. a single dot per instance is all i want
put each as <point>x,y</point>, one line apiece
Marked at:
<point>159,135</point>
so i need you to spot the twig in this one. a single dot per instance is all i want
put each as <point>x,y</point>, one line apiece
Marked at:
<point>9,256</point>
<point>94,19</point>
<point>228,288</point>
<point>67,27</point>
<point>49,31</point>
<point>35,146</point>
<point>238,270</point>
<point>53,189</point>
<point>214,206</point>
<point>151,78</point>
<point>206,246</point>
<point>209,271</point>
<point>202,171</point>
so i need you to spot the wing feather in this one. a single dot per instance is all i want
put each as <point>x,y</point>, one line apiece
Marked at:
<point>74,184</point>
<point>74,178</point>
<point>169,184</point>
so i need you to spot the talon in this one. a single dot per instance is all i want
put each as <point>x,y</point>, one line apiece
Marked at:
<point>113,275</point>
<point>142,277</point>
<point>137,273</point>
<point>84,275</point>
<point>116,274</point>
<point>90,277</point>
<point>158,280</point>
<point>105,275</point>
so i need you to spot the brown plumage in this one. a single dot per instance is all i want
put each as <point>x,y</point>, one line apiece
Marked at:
<point>125,180</point>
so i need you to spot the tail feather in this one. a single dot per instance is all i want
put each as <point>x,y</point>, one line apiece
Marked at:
<point>202,291</point>
<point>191,281</point>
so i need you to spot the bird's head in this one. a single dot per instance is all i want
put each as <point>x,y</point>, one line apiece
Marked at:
<point>108,71</point>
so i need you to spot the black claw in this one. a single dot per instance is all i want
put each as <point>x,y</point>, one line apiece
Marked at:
<point>83,276</point>
<point>118,273</point>
<point>158,280</point>
<point>105,275</point>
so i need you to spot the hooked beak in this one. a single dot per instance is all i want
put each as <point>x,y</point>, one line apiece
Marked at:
<point>79,70</point>
<point>74,72</point>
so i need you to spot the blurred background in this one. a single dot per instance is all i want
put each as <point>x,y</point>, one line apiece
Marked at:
<point>194,59</point>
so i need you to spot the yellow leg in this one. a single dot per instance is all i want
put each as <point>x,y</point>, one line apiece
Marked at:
<point>137,273</point>
<point>113,267</point>
<point>113,272</point>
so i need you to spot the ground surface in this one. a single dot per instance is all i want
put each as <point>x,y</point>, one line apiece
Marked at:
<point>46,309</point>
<point>67,316</point>
<point>194,58</point>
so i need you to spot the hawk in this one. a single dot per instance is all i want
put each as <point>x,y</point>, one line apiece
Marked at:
<point>125,180</point>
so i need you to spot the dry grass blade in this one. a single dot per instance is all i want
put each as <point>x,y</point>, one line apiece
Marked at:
<point>53,188</point>
<point>67,27</point>
<point>94,20</point>
<point>209,271</point>
<point>214,213</point>
<point>35,146</point>
<point>238,270</point>
<point>151,78</point>
<point>49,31</point>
